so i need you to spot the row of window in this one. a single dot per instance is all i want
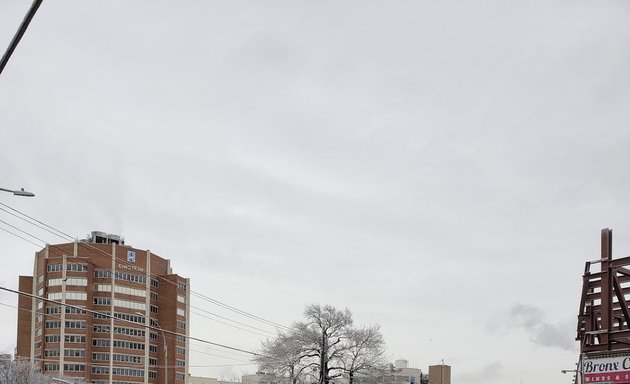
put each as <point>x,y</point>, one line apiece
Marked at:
<point>122,344</point>
<point>79,281</point>
<point>69,267</point>
<point>69,295</point>
<point>57,310</point>
<point>120,289</point>
<point>66,367</point>
<point>118,371</point>
<point>122,382</point>
<point>104,273</point>
<point>120,303</point>
<point>67,339</point>
<point>68,324</point>
<point>118,357</point>
<point>66,353</point>
<point>119,330</point>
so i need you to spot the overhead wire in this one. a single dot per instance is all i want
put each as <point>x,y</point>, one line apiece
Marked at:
<point>148,326</point>
<point>59,233</point>
<point>53,247</point>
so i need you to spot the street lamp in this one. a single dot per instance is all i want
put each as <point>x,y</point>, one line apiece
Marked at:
<point>20,192</point>
<point>576,371</point>
<point>165,353</point>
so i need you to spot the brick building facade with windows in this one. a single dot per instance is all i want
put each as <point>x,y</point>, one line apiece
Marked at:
<point>134,328</point>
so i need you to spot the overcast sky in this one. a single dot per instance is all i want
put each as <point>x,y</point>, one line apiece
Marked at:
<point>441,168</point>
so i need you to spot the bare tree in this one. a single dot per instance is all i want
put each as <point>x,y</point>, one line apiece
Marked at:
<point>324,343</point>
<point>364,352</point>
<point>20,372</point>
<point>285,356</point>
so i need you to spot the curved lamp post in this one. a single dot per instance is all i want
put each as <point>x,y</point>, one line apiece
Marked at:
<point>20,192</point>
<point>165,352</point>
<point>577,373</point>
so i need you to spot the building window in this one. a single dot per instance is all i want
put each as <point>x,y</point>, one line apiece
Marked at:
<point>37,345</point>
<point>74,367</point>
<point>100,370</point>
<point>70,309</point>
<point>152,361</point>
<point>181,363</point>
<point>181,286</point>
<point>103,273</point>
<point>181,312</point>
<point>76,267</point>
<point>69,267</point>
<point>128,345</point>
<point>53,338</point>
<point>181,324</point>
<point>69,296</point>
<point>129,304</point>
<point>100,356</point>
<point>74,338</point>
<point>181,338</point>
<point>53,310</point>
<point>133,318</point>
<point>38,332</point>
<point>75,324</point>
<point>180,376</point>
<point>155,283</point>
<point>52,324</point>
<point>40,279</point>
<point>154,309</point>
<point>181,299</point>
<point>51,367</point>
<point>129,331</point>
<point>152,348</point>
<point>152,375</point>
<point>120,289</point>
<point>74,352</point>
<point>128,372</point>
<point>100,342</point>
<point>102,301</point>
<point>127,358</point>
<point>180,351</point>
<point>101,315</point>
<point>78,281</point>
<point>51,353</point>
<point>54,268</point>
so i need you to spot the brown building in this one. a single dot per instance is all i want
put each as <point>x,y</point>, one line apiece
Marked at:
<point>440,374</point>
<point>112,313</point>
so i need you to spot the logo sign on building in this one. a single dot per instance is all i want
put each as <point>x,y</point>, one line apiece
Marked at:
<point>131,256</point>
<point>609,370</point>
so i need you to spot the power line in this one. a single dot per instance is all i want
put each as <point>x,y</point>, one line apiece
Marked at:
<point>52,247</point>
<point>202,296</point>
<point>110,316</point>
<point>56,317</point>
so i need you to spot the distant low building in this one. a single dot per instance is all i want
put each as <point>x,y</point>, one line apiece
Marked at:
<point>202,380</point>
<point>261,378</point>
<point>397,373</point>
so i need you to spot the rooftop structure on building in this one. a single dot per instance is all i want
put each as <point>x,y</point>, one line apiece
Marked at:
<point>106,312</point>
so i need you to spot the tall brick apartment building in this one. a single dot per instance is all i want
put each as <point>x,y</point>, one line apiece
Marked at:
<point>135,325</point>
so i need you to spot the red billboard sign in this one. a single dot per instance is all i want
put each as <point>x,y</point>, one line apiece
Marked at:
<point>615,370</point>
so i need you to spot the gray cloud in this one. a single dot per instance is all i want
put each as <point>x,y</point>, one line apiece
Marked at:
<point>532,320</point>
<point>492,371</point>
